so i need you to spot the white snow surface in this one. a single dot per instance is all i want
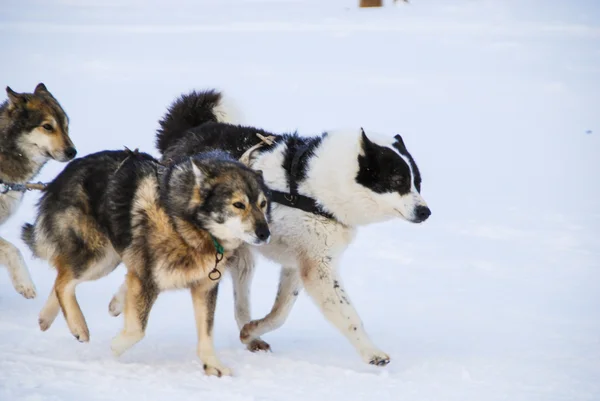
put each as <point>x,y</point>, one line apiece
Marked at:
<point>496,297</point>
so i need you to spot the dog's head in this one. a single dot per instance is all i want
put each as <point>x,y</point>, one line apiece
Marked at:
<point>391,176</point>
<point>227,199</point>
<point>40,124</point>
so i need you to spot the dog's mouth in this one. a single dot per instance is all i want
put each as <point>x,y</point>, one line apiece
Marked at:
<point>414,220</point>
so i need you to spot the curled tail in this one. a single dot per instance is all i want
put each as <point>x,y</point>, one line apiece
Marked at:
<point>191,110</point>
<point>28,236</point>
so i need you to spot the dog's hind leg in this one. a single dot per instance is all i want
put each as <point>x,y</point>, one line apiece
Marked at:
<point>139,298</point>
<point>65,293</point>
<point>115,307</point>
<point>49,311</point>
<point>12,258</point>
<point>241,268</point>
<point>324,286</point>
<point>204,297</point>
<point>289,287</point>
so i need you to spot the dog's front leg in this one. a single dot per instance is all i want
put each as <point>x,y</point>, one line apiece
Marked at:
<point>204,297</point>
<point>324,286</point>
<point>241,267</point>
<point>289,287</point>
<point>12,258</point>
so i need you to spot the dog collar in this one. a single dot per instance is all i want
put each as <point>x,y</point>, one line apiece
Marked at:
<point>219,248</point>
<point>215,274</point>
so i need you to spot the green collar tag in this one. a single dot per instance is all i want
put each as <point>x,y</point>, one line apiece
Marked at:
<point>218,246</point>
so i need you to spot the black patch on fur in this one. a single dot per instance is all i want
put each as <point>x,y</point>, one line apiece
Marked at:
<point>120,194</point>
<point>382,170</point>
<point>294,143</point>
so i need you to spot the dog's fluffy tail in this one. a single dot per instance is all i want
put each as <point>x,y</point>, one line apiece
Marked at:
<point>191,110</point>
<point>28,236</point>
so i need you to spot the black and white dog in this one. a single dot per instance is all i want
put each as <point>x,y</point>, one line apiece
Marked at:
<point>322,188</point>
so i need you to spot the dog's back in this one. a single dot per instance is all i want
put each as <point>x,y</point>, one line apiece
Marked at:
<point>71,212</point>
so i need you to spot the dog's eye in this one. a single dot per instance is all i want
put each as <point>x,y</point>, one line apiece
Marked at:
<point>239,205</point>
<point>263,204</point>
<point>47,127</point>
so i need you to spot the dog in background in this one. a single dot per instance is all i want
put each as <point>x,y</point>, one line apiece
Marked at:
<point>34,128</point>
<point>173,227</point>
<point>322,188</point>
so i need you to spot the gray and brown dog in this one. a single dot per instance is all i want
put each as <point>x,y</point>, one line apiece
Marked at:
<point>172,226</point>
<point>34,128</point>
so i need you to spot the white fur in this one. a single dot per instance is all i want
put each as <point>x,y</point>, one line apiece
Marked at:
<point>227,111</point>
<point>234,228</point>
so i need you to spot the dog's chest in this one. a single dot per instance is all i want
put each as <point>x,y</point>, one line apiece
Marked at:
<point>9,203</point>
<point>172,261</point>
<point>178,267</point>
<point>298,234</point>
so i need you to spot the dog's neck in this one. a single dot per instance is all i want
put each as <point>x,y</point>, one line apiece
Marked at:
<point>197,239</point>
<point>336,187</point>
<point>16,164</point>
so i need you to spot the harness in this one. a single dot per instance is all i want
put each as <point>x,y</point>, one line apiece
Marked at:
<point>293,198</point>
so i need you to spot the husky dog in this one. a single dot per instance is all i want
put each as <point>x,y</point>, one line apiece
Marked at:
<point>170,226</point>
<point>33,129</point>
<point>322,189</point>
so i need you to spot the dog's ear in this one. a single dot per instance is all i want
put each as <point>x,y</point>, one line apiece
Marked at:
<point>199,175</point>
<point>365,142</point>
<point>399,142</point>
<point>259,175</point>
<point>14,98</point>
<point>40,88</point>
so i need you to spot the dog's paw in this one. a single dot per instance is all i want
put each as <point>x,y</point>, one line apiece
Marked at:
<point>123,342</point>
<point>376,358</point>
<point>246,334</point>
<point>44,323</point>
<point>83,336</point>
<point>115,308</point>
<point>27,290</point>
<point>258,345</point>
<point>80,332</point>
<point>216,370</point>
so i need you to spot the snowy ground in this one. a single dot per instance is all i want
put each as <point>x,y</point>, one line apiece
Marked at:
<point>496,297</point>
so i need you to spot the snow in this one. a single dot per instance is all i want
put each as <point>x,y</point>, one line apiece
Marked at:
<point>496,297</point>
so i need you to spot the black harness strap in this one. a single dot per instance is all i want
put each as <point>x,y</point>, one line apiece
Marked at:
<point>294,199</point>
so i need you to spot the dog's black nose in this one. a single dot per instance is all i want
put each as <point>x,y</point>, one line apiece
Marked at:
<point>262,232</point>
<point>422,213</point>
<point>71,152</point>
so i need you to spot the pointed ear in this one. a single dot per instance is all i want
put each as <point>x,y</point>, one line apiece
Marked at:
<point>365,142</point>
<point>13,97</point>
<point>199,175</point>
<point>400,142</point>
<point>40,88</point>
